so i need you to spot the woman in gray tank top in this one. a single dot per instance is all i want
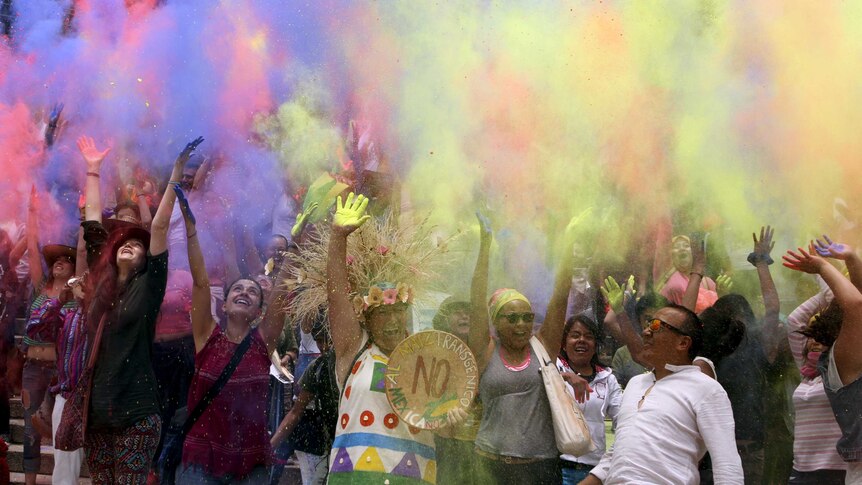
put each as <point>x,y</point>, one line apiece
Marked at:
<point>516,442</point>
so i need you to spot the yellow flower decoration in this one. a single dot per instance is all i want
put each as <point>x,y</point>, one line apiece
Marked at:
<point>405,293</point>
<point>358,304</point>
<point>374,298</point>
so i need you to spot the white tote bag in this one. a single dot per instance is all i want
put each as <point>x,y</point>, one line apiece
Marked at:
<point>570,427</point>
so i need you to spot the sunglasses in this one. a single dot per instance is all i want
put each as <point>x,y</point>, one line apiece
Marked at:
<point>514,318</point>
<point>655,325</point>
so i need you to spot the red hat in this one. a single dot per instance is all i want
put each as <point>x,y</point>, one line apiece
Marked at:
<point>122,233</point>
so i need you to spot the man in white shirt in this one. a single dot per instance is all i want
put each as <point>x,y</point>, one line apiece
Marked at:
<point>669,418</point>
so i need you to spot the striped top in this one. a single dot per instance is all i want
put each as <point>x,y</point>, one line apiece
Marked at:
<point>41,331</point>
<point>64,327</point>
<point>815,431</point>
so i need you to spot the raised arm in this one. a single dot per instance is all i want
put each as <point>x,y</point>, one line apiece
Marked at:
<point>698,266</point>
<point>773,331</point>
<point>202,319</point>
<point>17,251</point>
<point>144,209</point>
<point>81,254</point>
<point>343,321</point>
<point>848,359</point>
<point>617,320</point>
<point>480,332</point>
<point>829,249</point>
<point>162,219</point>
<point>276,308</point>
<point>551,331</point>
<point>93,157</point>
<point>33,259</point>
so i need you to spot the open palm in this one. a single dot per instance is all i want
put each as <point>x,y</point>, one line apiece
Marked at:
<point>350,214</point>
<point>91,154</point>
<point>830,249</point>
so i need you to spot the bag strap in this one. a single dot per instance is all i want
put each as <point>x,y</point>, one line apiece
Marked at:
<point>541,352</point>
<point>220,382</point>
<point>94,350</point>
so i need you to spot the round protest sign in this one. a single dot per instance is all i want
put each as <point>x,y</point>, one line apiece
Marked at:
<point>429,374</point>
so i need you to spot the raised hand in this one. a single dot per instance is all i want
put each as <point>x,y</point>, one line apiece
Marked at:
<point>184,155</point>
<point>184,204</point>
<point>350,215</point>
<point>34,200</point>
<point>762,246</point>
<point>723,284</point>
<point>808,262</point>
<point>830,249</point>
<point>616,294</point>
<point>53,123</point>
<point>698,252</point>
<point>91,154</point>
<point>301,219</point>
<point>575,222</point>
<point>484,225</point>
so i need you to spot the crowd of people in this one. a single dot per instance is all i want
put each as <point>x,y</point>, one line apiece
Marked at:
<point>219,367</point>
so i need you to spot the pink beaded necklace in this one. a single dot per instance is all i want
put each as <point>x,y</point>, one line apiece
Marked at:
<point>516,368</point>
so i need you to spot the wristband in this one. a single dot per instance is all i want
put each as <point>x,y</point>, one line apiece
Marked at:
<point>93,174</point>
<point>695,272</point>
<point>192,235</point>
<point>755,258</point>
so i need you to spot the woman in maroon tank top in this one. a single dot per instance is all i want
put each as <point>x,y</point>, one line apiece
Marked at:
<point>229,443</point>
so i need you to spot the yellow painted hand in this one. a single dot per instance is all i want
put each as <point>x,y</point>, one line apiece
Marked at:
<point>614,293</point>
<point>350,215</point>
<point>723,284</point>
<point>301,219</point>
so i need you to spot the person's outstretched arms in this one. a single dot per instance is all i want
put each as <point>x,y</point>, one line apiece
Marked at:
<point>773,331</point>
<point>343,321</point>
<point>202,319</point>
<point>162,219</point>
<point>276,308</point>
<point>698,266</point>
<point>480,333</point>
<point>845,350</point>
<point>93,157</point>
<point>32,235</point>
<point>617,320</point>
<point>829,249</point>
<point>551,331</point>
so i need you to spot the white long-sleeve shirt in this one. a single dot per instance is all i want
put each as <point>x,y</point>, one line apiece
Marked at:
<point>683,416</point>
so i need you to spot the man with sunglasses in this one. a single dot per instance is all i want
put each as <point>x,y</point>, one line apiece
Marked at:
<point>670,417</point>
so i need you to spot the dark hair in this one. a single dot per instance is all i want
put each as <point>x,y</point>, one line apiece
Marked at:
<point>824,327</point>
<point>692,327</point>
<point>127,204</point>
<point>592,327</point>
<point>650,301</point>
<point>249,278</point>
<point>724,326</point>
<point>102,285</point>
<point>449,306</point>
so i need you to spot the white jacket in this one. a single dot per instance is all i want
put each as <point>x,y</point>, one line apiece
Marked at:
<point>604,402</point>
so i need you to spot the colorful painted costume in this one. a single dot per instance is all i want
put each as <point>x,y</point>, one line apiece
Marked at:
<point>372,444</point>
